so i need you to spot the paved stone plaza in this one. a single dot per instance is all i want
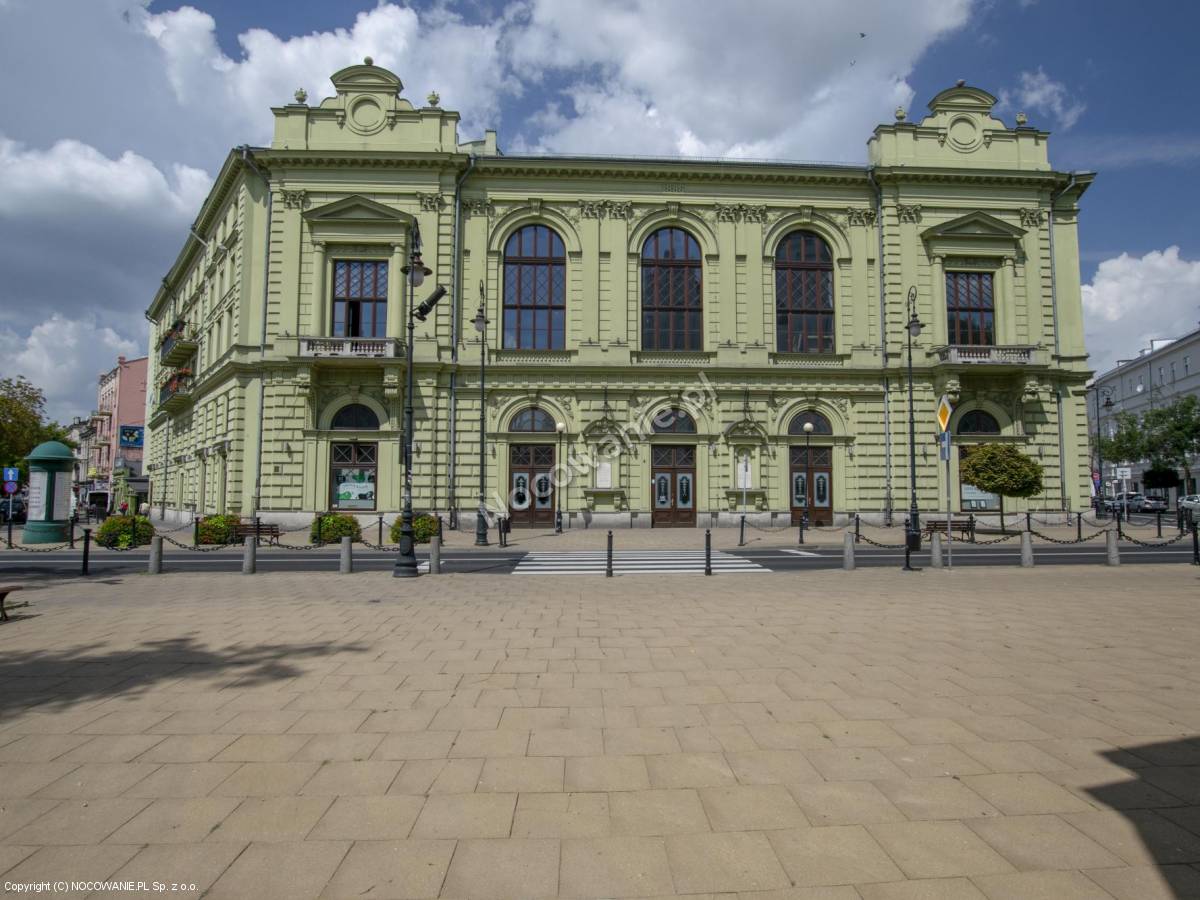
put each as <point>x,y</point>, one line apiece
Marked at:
<point>999,734</point>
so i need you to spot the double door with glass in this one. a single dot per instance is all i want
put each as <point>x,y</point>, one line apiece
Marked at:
<point>673,486</point>
<point>811,481</point>
<point>531,485</point>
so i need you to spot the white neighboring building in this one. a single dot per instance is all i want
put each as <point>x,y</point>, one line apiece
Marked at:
<point>1156,376</point>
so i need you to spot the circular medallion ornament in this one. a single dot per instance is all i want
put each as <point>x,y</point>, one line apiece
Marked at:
<point>366,115</point>
<point>964,134</point>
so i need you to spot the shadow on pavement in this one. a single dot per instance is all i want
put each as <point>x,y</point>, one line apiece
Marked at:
<point>1161,800</point>
<point>48,681</point>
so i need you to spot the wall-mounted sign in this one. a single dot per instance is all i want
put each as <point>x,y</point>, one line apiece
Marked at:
<point>131,435</point>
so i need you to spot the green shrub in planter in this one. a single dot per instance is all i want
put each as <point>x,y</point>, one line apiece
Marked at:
<point>330,528</point>
<point>218,529</point>
<point>124,531</point>
<point>424,527</point>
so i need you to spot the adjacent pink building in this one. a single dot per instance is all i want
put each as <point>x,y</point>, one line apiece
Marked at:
<point>118,423</point>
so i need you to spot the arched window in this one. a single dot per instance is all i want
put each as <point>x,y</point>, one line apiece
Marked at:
<point>976,421</point>
<point>355,417</point>
<point>535,290</point>
<point>820,424</point>
<point>803,294</point>
<point>532,418</point>
<point>673,421</point>
<point>672,303</point>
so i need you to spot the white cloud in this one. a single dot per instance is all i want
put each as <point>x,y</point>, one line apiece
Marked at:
<point>1132,301</point>
<point>1039,93</point>
<point>63,355</point>
<point>1097,152</point>
<point>783,79</point>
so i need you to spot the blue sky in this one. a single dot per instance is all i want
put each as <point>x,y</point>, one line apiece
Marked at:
<point>110,147</point>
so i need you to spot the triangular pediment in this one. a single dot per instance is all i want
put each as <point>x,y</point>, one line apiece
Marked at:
<point>746,430</point>
<point>356,209</point>
<point>605,426</point>
<point>973,225</point>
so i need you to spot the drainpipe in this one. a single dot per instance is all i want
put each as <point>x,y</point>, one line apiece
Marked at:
<point>887,409</point>
<point>262,347</point>
<point>455,310</point>
<point>1062,441</point>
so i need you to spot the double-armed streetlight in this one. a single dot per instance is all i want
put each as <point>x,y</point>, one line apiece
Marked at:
<point>912,536</point>
<point>415,273</point>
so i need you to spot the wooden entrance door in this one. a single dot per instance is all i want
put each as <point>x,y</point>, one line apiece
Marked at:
<point>530,485</point>
<point>815,498</point>
<point>673,487</point>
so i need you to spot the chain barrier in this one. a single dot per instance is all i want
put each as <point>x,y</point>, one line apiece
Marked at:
<point>24,549</point>
<point>978,543</point>
<point>1083,540</point>
<point>899,546</point>
<point>1174,540</point>
<point>385,547</point>
<point>194,549</point>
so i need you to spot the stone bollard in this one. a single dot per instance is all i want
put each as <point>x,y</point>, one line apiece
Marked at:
<point>435,555</point>
<point>346,563</point>
<point>249,555</point>
<point>848,551</point>
<point>155,555</point>
<point>1114,552</point>
<point>1026,550</point>
<point>935,550</point>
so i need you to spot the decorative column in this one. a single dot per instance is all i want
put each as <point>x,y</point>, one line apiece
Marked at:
<point>937,298</point>
<point>318,290</point>
<point>395,298</point>
<point>1009,295</point>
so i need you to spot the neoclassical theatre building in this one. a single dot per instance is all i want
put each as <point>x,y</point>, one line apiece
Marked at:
<point>663,329</point>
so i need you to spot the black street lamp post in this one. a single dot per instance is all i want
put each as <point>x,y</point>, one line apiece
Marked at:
<point>561,428</point>
<point>912,536</point>
<point>481,527</point>
<point>808,485</point>
<point>1108,405</point>
<point>415,272</point>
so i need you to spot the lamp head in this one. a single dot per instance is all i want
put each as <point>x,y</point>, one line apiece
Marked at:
<point>1108,404</point>
<point>914,325</point>
<point>427,307</point>
<point>480,321</point>
<point>560,427</point>
<point>808,427</point>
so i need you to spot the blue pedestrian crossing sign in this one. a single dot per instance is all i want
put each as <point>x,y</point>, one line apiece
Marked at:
<point>11,473</point>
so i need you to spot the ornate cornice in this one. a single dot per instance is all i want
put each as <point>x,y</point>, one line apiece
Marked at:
<point>606,209</point>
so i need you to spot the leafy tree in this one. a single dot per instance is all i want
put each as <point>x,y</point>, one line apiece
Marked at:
<point>23,422</point>
<point>1004,470</point>
<point>1160,476</point>
<point>1168,436</point>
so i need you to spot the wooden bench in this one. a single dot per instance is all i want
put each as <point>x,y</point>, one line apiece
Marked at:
<point>964,527</point>
<point>5,590</point>
<point>262,530</point>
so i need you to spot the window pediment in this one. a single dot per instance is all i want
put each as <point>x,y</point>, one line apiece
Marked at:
<point>973,225</point>
<point>356,210</point>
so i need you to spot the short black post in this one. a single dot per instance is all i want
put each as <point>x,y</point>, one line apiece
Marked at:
<point>71,531</point>
<point>1195,543</point>
<point>195,531</point>
<point>608,562</point>
<point>1079,527</point>
<point>1158,517</point>
<point>441,532</point>
<point>1119,533</point>
<point>857,528</point>
<point>742,531</point>
<point>87,547</point>
<point>707,551</point>
<point>1028,520</point>
<point>971,526</point>
<point>10,543</point>
<point>381,531</point>
<point>803,525</point>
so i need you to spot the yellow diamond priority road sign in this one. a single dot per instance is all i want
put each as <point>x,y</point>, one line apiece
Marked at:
<point>944,412</point>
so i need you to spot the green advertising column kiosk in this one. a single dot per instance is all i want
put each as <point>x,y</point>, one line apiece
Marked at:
<point>49,508</point>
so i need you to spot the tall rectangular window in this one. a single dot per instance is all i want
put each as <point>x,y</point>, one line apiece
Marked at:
<point>360,298</point>
<point>352,470</point>
<point>970,309</point>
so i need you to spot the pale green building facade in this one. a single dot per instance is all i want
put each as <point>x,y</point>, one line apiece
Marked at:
<point>752,297</point>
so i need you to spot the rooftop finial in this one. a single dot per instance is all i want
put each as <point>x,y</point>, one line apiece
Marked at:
<point>367,61</point>
<point>301,95</point>
<point>901,115</point>
<point>961,82</point>
<point>434,98</point>
<point>1022,119</point>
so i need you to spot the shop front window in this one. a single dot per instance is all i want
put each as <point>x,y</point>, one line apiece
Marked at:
<point>353,468</point>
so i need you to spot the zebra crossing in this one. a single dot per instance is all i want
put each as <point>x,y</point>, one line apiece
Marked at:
<point>632,562</point>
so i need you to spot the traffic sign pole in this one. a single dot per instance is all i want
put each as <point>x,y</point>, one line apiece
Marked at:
<point>945,409</point>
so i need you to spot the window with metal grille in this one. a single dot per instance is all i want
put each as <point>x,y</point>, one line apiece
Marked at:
<point>672,291</point>
<point>360,298</point>
<point>970,309</point>
<point>976,421</point>
<point>673,421</point>
<point>355,417</point>
<point>352,476</point>
<point>535,290</point>
<point>803,295</point>
<point>532,418</point>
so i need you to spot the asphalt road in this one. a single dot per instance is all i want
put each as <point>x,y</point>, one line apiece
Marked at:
<point>495,561</point>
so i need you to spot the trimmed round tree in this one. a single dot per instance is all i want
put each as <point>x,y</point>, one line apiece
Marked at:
<point>1004,470</point>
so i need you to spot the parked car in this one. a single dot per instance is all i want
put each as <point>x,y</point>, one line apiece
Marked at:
<point>18,509</point>
<point>1125,500</point>
<point>1154,504</point>
<point>1191,501</point>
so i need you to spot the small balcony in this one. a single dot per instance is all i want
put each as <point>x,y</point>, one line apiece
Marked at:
<point>349,348</point>
<point>964,355</point>
<point>176,347</point>
<point>175,394</point>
